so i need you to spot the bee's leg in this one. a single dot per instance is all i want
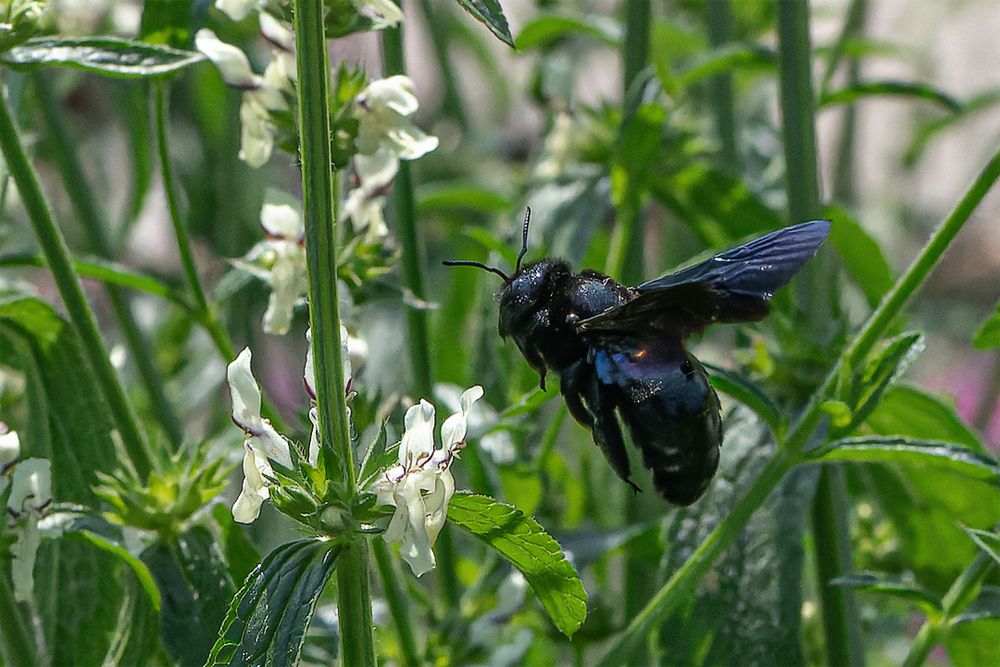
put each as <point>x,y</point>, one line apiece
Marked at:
<point>571,383</point>
<point>606,429</point>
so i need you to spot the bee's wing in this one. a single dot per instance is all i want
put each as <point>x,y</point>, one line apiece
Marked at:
<point>733,286</point>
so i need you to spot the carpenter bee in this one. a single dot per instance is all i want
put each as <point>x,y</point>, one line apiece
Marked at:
<point>619,350</point>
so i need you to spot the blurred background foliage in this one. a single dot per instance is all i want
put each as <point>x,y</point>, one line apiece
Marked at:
<point>689,138</point>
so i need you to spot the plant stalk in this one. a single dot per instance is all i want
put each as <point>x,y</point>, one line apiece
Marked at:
<point>16,645</point>
<point>451,100</point>
<point>319,204</point>
<point>398,604</point>
<point>53,245</point>
<point>681,585</point>
<point>720,31</point>
<point>88,212</point>
<point>955,600</point>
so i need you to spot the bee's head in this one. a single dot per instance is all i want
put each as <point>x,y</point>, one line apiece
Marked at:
<point>524,299</point>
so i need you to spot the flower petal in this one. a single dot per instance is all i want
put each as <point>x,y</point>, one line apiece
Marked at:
<point>417,444</point>
<point>382,13</point>
<point>31,487</point>
<point>394,92</point>
<point>10,449</point>
<point>456,426</point>
<point>256,132</point>
<point>231,62</point>
<point>244,391</point>
<point>24,551</point>
<point>277,32</point>
<point>247,506</point>
<point>377,170</point>
<point>237,10</point>
<point>280,217</point>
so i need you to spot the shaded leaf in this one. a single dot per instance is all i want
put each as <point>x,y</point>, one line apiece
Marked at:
<point>987,541</point>
<point>871,583</point>
<point>547,30</point>
<point>139,569</point>
<point>909,410</point>
<point>746,392</point>
<point>270,614</point>
<point>930,129</point>
<point>167,22</point>
<point>854,92</point>
<point>987,336</point>
<point>433,197</point>
<point>241,555</point>
<point>729,58</point>
<point>974,644</point>
<point>109,56</point>
<point>377,458</point>
<point>490,14</point>
<point>985,606</point>
<point>861,254</point>
<point>880,371</point>
<point>520,540</point>
<point>910,451</point>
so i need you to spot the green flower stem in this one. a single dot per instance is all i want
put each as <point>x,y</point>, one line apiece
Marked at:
<point>843,176</point>
<point>398,603</point>
<point>416,318</point>
<point>354,603</point>
<point>18,647</point>
<point>720,31</point>
<point>681,586</point>
<point>207,314</point>
<point>319,204</point>
<point>53,246</point>
<point>635,51</point>
<point>88,212</point>
<point>955,600</point>
<point>841,627</point>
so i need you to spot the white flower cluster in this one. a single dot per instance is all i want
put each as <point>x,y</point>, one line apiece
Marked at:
<point>30,497</point>
<point>421,485</point>
<point>385,136</point>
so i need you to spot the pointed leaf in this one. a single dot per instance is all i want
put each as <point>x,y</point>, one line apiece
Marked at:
<point>520,540</point>
<point>881,370</point>
<point>747,393</point>
<point>377,458</point>
<point>490,13</point>
<point>987,541</point>
<point>908,451</point>
<point>861,254</point>
<point>110,56</point>
<point>987,336</point>
<point>268,618</point>
<point>546,30</point>
<point>857,91</point>
<point>929,602</point>
<point>909,410</point>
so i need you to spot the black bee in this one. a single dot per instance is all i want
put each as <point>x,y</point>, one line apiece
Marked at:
<point>621,348</point>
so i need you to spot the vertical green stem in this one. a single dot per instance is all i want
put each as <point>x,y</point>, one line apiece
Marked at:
<point>843,175</point>
<point>840,622</point>
<point>416,318</point>
<point>720,32</point>
<point>319,204</point>
<point>17,646</point>
<point>955,600</point>
<point>57,256</point>
<point>398,604</point>
<point>636,47</point>
<point>440,35</point>
<point>207,314</point>
<point>88,212</point>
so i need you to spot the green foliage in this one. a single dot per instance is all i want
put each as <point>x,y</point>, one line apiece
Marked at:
<point>490,14</point>
<point>109,56</point>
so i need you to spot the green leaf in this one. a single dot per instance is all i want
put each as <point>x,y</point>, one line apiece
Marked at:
<point>854,92</point>
<point>139,569</point>
<point>929,602</point>
<point>528,403</point>
<point>861,254</point>
<point>109,56</point>
<point>908,451</point>
<point>547,30</point>
<point>167,22</point>
<point>520,540</point>
<point>196,592</point>
<point>974,644</point>
<point>435,197</point>
<point>987,541</point>
<point>378,457</point>
<point>490,14</point>
<point>241,555</point>
<point>746,392</point>
<point>909,410</point>
<point>985,606</point>
<point>930,129</point>
<point>108,272</point>
<point>729,58</point>
<point>882,369</point>
<point>987,336</point>
<point>268,618</point>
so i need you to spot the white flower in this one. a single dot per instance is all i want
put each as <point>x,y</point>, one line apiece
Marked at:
<point>382,13</point>
<point>262,443</point>
<point>382,110</point>
<point>280,259</point>
<point>10,448</point>
<point>237,10</point>
<point>30,496</point>
<point>231,62</point>
<point>421,485</point>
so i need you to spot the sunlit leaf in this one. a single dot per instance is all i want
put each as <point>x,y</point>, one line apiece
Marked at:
<point>109,56</point>
<point>974,644</point>
<point>861,254</point>
<point>167,22</point>
<point>988,542</point>
<point>270,614</point>
<point>520,540</point>
<point>908,410</point>
<point>490,14</point>
<point>987,336</point>
<point>883,368</point>
<point>910,451</point>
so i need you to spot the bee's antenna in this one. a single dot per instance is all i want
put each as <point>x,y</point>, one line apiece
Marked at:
<point>478,265</point>
<point>524,239</point>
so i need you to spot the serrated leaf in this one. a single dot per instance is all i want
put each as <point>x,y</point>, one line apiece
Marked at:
<point>854,92</point>
<point>861,254</point>
<point>910,451</point>
<point>882,369</point>
<point>110,56</point>
<point>987,541</point>
<point>520,540</point>
<point>546,30</point>
<point>911,411</point>
<point>987,336</point>
<point>490,14</point>
<point>871,583</point>
<point>378,457</point>
<point>270,614</point>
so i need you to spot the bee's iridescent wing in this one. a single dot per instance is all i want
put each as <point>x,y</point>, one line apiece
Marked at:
<point>733,286</point>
